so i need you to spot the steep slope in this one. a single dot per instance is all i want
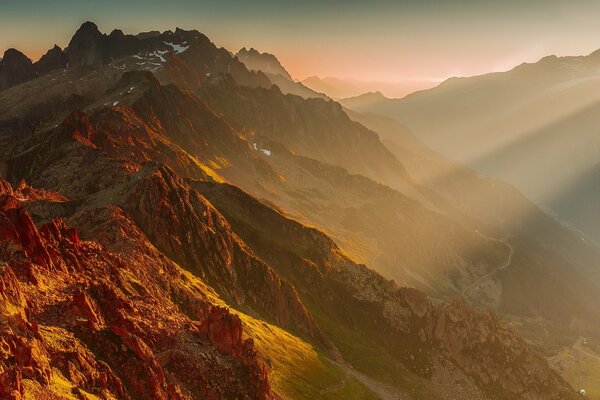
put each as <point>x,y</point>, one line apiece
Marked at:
<point>420,331</point>
<point>80,321</point>
<point>108,216</point>
<point>521,126</point>
<point>505,213</point>
<point>572,145</point>
<point>96,217</point>
<point>277,74</point>
<point>265,62</point>
<point>515,223</point>
<point>153,191</point>
<point>431,252</point>
<point>90,49</point>
<point>322,194</point>
<point>501,212</point>
<point>55,58</point>
<point>315,128</point>
<point>418,256</point>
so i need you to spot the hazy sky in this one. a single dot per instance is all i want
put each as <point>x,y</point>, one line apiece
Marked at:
<point>367,40</point>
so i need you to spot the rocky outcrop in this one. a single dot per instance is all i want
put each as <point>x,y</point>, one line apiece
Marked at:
<point>55,58</point>
<point>73,315</point>
<point>89,47</point>
<point>434,340</point>
<point>201,240</point>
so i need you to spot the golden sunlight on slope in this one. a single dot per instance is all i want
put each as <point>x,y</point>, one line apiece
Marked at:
<point>580,365</point>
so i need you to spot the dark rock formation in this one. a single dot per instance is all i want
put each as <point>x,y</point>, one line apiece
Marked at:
<point>15,68</point>
<point>86,46</point>
<point>55,58</point>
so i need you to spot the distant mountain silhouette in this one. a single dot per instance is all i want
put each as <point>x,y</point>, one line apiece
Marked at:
<point>535,126</point>
<point>272,68</point>
<point>343,88</point>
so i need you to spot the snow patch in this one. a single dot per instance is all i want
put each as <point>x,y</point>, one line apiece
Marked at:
<point>177,48</point>
<point>264,151</point>
<point>159,54</point>
<point>115,103</point>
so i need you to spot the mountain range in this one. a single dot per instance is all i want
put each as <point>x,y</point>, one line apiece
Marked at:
<point>523,125</point>
<point>179,222</point>
<point>337,88</point>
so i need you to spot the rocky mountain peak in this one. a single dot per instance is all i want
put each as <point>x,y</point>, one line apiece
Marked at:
<point>88,28</point>
<point>14,56</point>
<point>15,68</point>
<point>86,46</point>
<point>55,58</point>
<point>117,33</point>
<point>264,62</point>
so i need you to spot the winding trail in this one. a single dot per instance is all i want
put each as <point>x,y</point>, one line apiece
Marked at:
<point>499,268</point>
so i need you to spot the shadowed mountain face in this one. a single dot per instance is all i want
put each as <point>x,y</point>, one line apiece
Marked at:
<point>525,125</point>
<point>175,227</point>
<point>269,65</point>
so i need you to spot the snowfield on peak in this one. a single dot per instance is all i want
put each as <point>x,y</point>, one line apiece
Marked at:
<point>265,151</point>
<point>178,48</point>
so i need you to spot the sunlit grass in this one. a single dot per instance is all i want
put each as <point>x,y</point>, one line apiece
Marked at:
<point>297,370</point>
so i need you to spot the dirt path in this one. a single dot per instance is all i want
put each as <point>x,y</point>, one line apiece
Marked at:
<point>482,278</point>
<point>384,391</point>
<point>578,346</point>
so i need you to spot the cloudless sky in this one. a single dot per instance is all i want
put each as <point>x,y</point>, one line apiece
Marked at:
<point>377,40</point>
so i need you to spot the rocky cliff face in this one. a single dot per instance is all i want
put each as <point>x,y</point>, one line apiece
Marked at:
<point>265,62</point>
<point>486,355</point>
<point>285,119</point>
<point>79,320</point>
<point>87,46</point>
<point>55,58</point>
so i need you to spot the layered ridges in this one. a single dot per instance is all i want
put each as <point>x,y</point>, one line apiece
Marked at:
<point>196,57</point>
<point>201,240</point>
<point>425,336</point>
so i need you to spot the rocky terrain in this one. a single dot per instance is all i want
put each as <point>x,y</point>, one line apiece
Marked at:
<point>175,227</point>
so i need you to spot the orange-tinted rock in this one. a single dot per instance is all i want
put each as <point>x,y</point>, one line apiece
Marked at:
<point>102,329</point>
